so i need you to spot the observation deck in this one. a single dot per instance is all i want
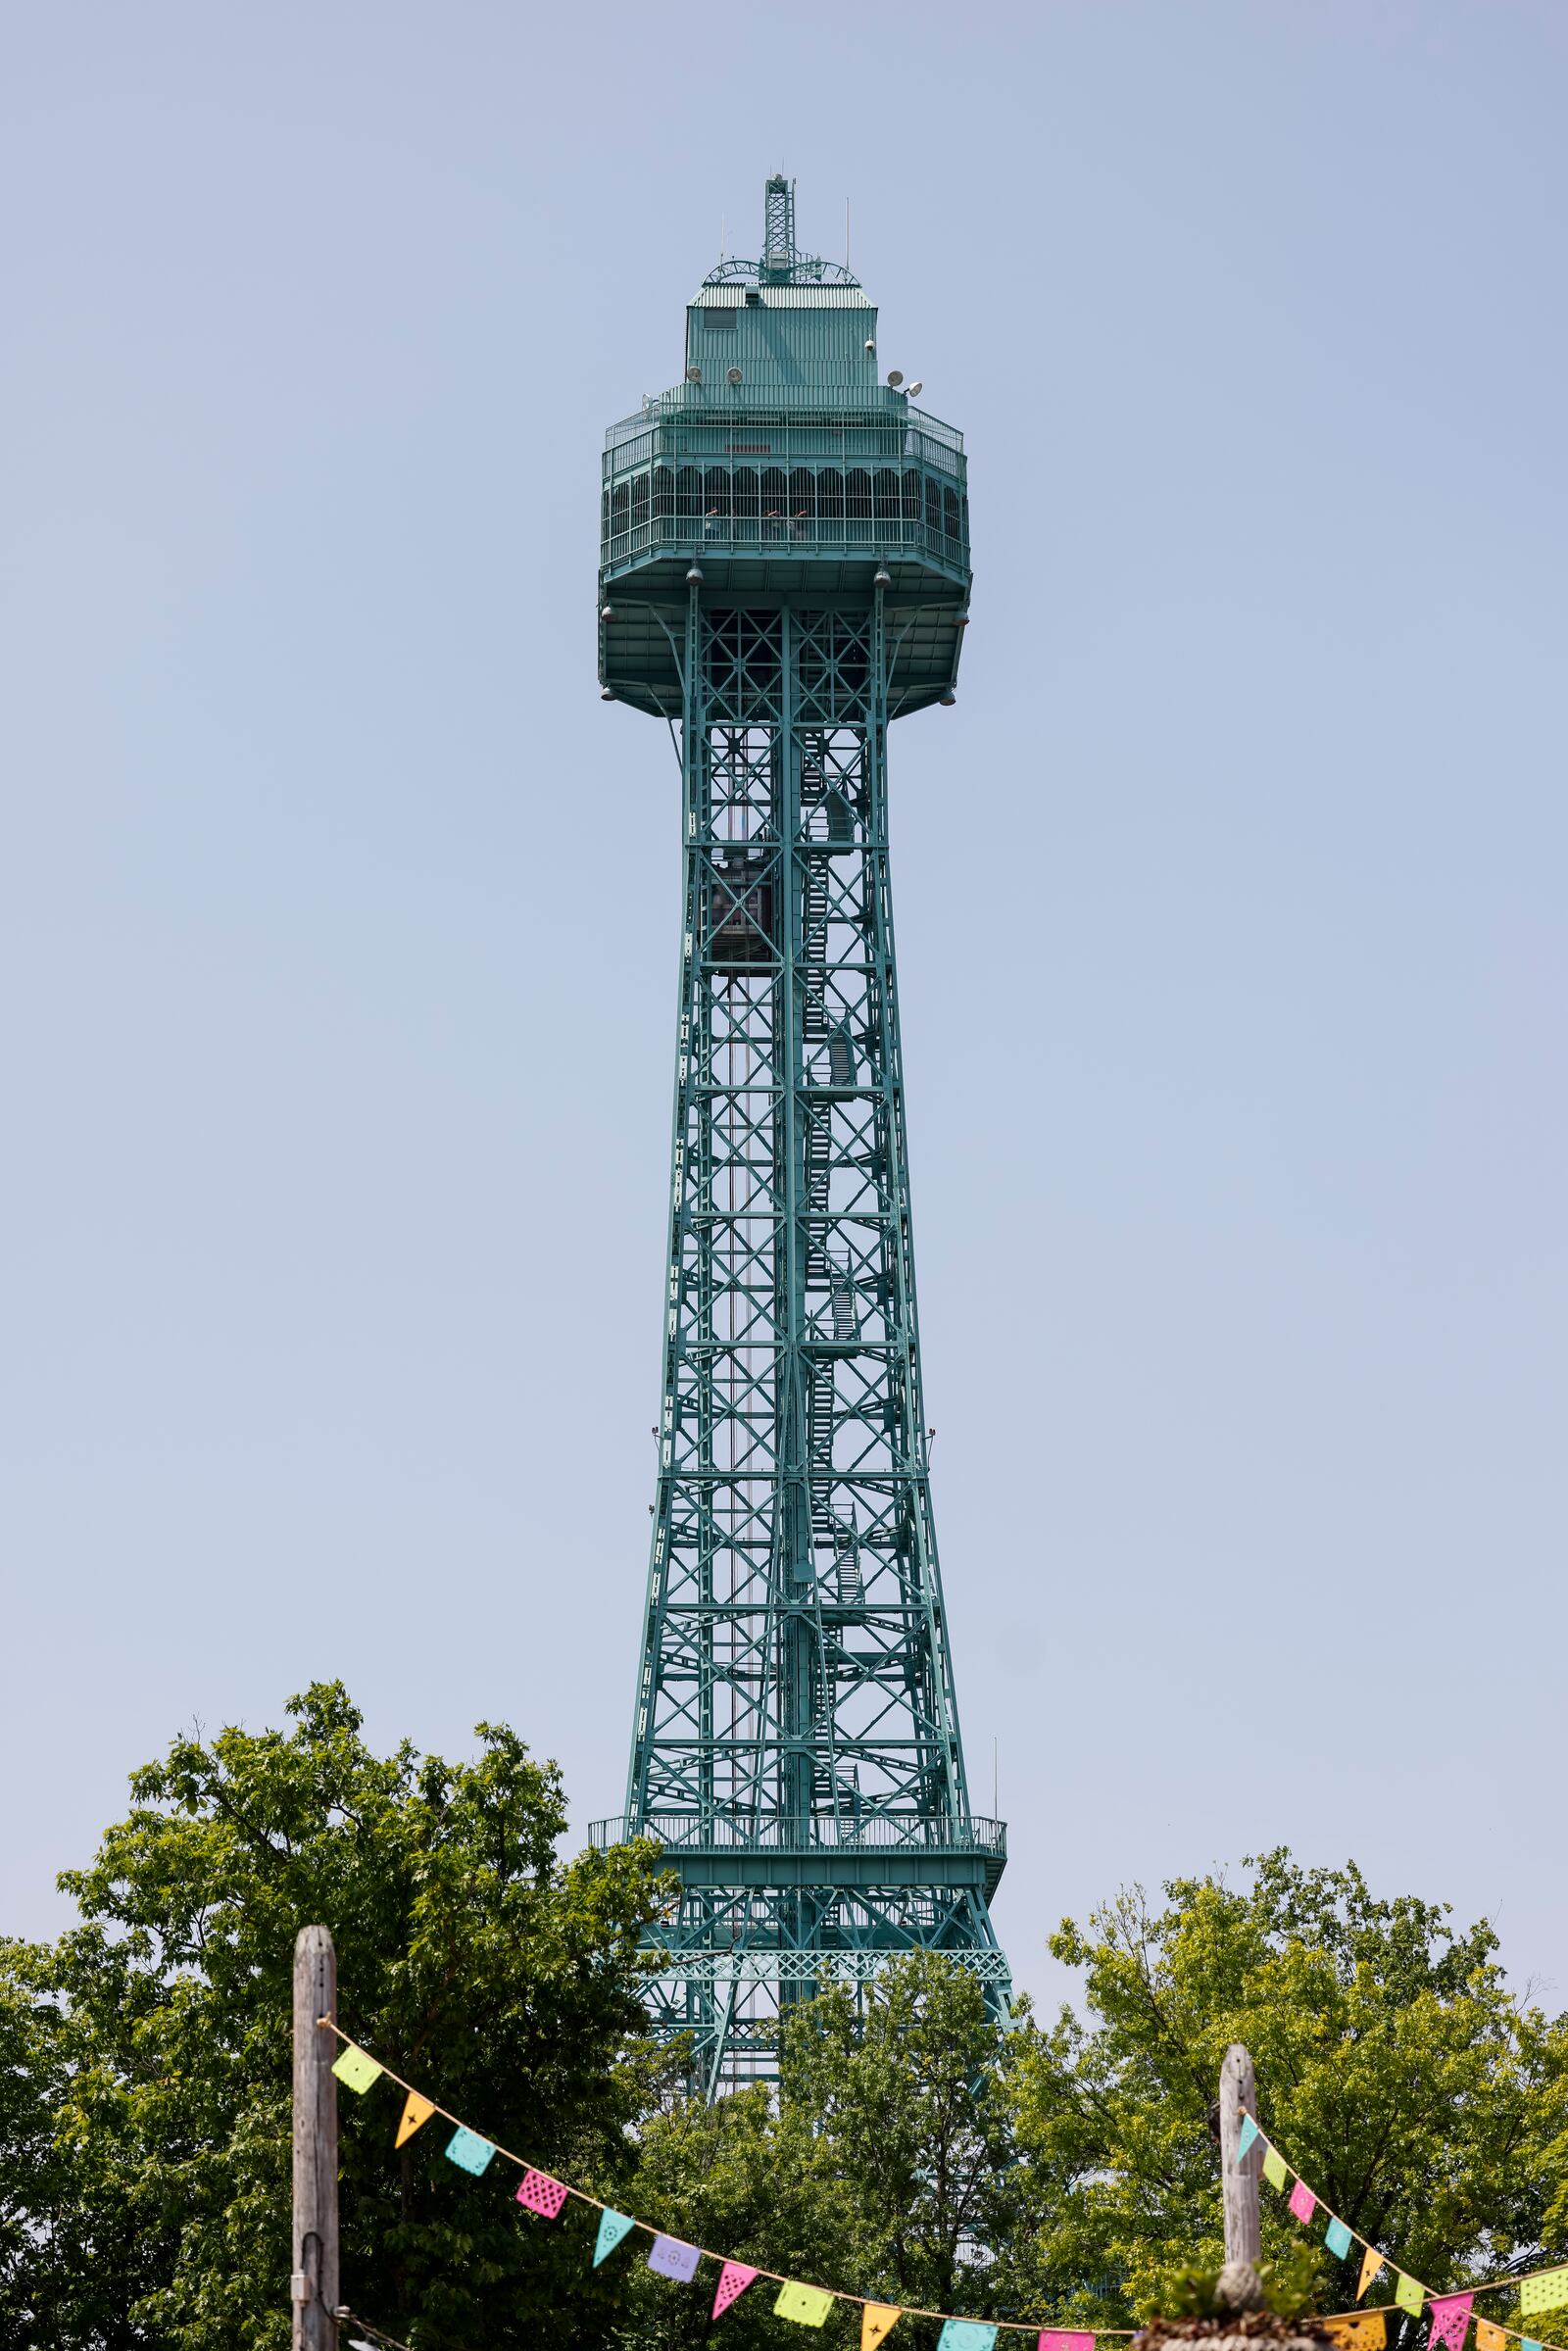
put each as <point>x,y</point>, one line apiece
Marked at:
<point>782,467</point>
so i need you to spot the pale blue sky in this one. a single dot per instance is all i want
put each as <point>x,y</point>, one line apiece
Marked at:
<point>339,915</point>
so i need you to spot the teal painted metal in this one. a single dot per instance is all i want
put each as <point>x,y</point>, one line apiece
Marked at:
<point>784,571</point>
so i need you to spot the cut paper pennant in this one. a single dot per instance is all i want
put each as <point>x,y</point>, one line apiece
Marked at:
<point>1360,2330</point>
<point>1065,2338</point>
<point>672,2259</point>
<point>1450,2320</point>
<point>877,2320</point>
<point>542,2194</point>
<point>1490,2338</point>
<point>1527,2344</point>
<point>1302,2201</point>
<point>1371,2263</point>
<point>1550,2291</point>
<point>1249,2131</point>
<point>1274,2171</point>
<point>733,2281</point>
<point>357,2069</point>
<point>967,2335</point>
<point>416,2112</point>
<point>613,2226</point>
<point>1337,2238</point>
<point>467,2150</point>
<point>1408,2294</point>
<point>807,2305</point>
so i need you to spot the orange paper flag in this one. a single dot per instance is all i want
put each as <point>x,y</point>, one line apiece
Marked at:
<point>1371,2263</point>
<point>417,2110</point>
<point>879,2320</point>
<point>1360,2330</point>
<point>1490,2338</point>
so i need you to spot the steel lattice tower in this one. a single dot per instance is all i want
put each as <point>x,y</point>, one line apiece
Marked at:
<point>785,571</point>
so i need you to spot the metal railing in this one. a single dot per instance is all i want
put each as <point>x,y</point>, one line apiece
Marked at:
<point>699,416</point>
<point>874,1832</point>
<point>725,534</point>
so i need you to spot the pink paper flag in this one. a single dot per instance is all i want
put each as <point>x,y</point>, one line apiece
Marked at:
<point>1451,2317</point>
<point>1302,2201</point>
<point>542,2194</point>
<point>1065,2338</point>
<point>733,2281</point>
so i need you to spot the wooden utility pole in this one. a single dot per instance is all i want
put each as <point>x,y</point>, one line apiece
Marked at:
<point>314,2281</point>
<point>1238,2092</point>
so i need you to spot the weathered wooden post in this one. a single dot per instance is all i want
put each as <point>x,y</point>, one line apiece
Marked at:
<point>315,2283</point>
<point>1238,2092</point>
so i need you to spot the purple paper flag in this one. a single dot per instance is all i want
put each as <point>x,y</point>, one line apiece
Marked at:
<point>734,2279</point>
<point>1450,2319</point>
<point>1302,2201</point>
<point>542,2194</point>
<point>672,2259</point>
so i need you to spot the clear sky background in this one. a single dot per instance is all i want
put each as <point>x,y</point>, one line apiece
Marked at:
<point>338,917</point>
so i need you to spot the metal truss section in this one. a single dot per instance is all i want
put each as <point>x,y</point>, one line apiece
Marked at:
<point>796,1746</point>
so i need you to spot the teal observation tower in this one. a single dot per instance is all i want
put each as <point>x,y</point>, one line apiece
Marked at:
<point>784,571</point>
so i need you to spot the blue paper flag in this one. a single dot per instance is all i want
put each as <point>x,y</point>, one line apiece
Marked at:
<point>613,2226</point>
<point>1337,2238</point>
<point>967,2335</point>
<point>1249,2131</point>
<point>672,2259</point>
<point>466,2148</point>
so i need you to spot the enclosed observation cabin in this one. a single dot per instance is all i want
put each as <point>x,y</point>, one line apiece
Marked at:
<point>786,463</point>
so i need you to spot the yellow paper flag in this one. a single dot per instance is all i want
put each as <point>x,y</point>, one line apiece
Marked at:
<point>807,2305</point>
<point>1274,2171</point>
<point>1360,2330</point>
<point>356,2069</point>
<point>1409,2295</point>
<point>1490,2338</point>
<point>417,2110</point>
<point>880,2319</point>
<point>1371,2263</point>
<point>1549,2292</point>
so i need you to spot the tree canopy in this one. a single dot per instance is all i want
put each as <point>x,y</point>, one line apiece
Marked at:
<point>148,2094</point>
<point>1415,2092</point>
<point>911,2149</point>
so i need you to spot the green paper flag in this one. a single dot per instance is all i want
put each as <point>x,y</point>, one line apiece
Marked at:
<point>356,2069</point>
<point>613,2226</point>
<point>1274,2171</point>
<point>1409,2295</point>
<point>1550,2292</point>
<point>807,2305</point>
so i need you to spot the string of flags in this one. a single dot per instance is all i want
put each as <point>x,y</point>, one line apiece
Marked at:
<point>669,2256</point>
<point>1540,2291</point>
<point>807,2305</point>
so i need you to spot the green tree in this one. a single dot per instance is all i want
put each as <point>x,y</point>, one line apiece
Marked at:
<point>881,2167</point>
<point>148,2051</point>
<point>1416,2095</point>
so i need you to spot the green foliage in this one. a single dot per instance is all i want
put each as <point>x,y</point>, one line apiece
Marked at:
<point>877,2169</point>
<point>1065,2173</point>
<point>1418,2097</point>
<point>1287,2286</point>
<point>151,2071</point>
